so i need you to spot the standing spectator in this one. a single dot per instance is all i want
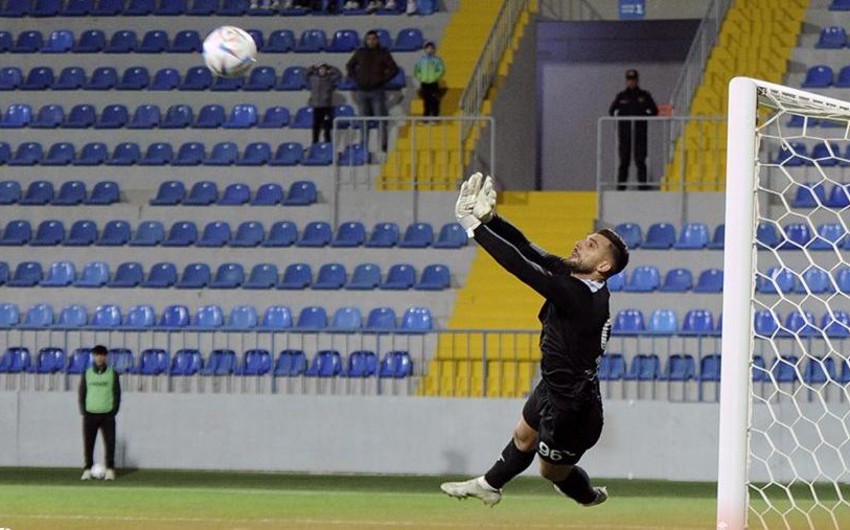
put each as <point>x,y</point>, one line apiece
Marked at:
<point>100,398</point>
<point>322,78</point>
<point>265,5</point>
<point>632,102</point>
<point>429,70</point>
<point>371,5</point>
<point>371,67</point>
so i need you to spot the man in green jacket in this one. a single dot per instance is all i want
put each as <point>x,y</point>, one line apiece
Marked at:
<point>428,71</point>
<point>100,398</point>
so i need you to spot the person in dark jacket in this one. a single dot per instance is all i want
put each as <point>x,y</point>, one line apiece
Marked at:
<point>100,398</point>
<point>322,79</point>
<point>371,67</point>
<point>633,101</point>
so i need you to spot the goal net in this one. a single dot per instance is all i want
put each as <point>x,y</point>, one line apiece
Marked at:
<point>784,440</point>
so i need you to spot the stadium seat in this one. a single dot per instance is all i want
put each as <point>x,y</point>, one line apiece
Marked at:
<point>710,281</point>
<point>165,79</point>
<point>83,233</point>
<point>11,78</point>
<point>80,117</point>
<point>287,154</point>
<point>612,367</point>
<point>274,118</point>
<point>45,8</point>
<point>106,316</point>
<point>186,41</point>
<point>127,275</point>
<point>227,84</point>
<point>242,317</point>
<point>248,234</point>
<point>301,193</point>
<point>134,78</point>
<point>5,152</point>
<point>60,274</point>
<point>38,193</point>
<point>830,236</point>
<point>384,38</point>
<point>153,361</point>
<point>182,234</point>
<point>154,41</point>
<point>319,154</point>
<point>228,276</point>
<point>190,154</point>
<point>344,111</point>
<point>820,371</point>
<point>809,196</point>
<point>268,195</point>
<point>312,41</point>
<point>290,363</point>
<point>767,235</point>
<point>797,236</point>
<point>417,235</point>
<point>59,41</point>
<point>409,40</point>
<point>644,368</point>
<point>235,194</point>
<point>6,41</point>
<point>819,76</point>
<point>281,234</point>
<point>344,41</point>
<point>837,324</point>
<point>416,320</point>
<point>397,82</point>
<point>680,367</point>
<point>10,192</point>
<point>60,154</point>
<point>675,281</point>
<point>331,276</point>
<point>303,119</point>
<point>49,117</point>
<point>243,116</point>
<point>197,78</point>
<point>295,78</point>
<point>435,277</point>
<point>843,79</point>
<point>49,233</point>
<point>825,155</point>
<point>161,276</point>
<point>10,315</point>
<point>121,360</point>
<point>396,364</point>
<point>717,240</point>
<point>16,233</point>
<point>353,155</point>
<point>232,8</point>
<point>262,78</point>
<point>174,316</point>
<point>362,363</point>
<point>350,234</point>
<point>91,41</point>
<point>73,316</point>
<point>170,193</point>
<point>145,117</point>
<point>262,276</point>
<point>4,272</point>
<point>177,117</point>
<point>366,276</point>
<point>195,276</point>
<point>102,78</point>
<point>784,369</point>
<point>776,280</point>
<point>842,280</point>
<point>79,361</point>
<point>815,281</point>
<point>660,236</point>
<point>210,117</point>
<point>124,41</point>
<point>279,41</point>
<point>694,236</point>
<point>113,117</point>
<point>316,234</point>
<point>629,322</point>
<point>617,282</point>
<point>698,322</point>
<point>157,154</point>
<point>27,154</point>
<point>312,318</point>
<point>107,8</point>
<point>384,235</point>
<point>208,316</point>
<point>15,360</point>
<point>451,235</point>
<point>346,320</point>
<point>50,361</point>
<point>277,317</point>
<point>800,324</point>
<point>125,154</point>
<point>255,154</point>
<point>116,233</point>
<point>222,154</point>
<point>28,42</point>
<point>399,277</point>
<point>326,363</point>
<point>644,279</point>
<point>16,117</point>
<point>255,362</point>
<point>203,193</point>
<point>296,276</point>
<point>94,275</point>
<point>186,362</point>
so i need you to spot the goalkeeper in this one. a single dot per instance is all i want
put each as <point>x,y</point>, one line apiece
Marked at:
<point>563,415</point>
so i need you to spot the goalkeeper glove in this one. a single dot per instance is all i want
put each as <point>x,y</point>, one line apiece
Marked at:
<point>485,201</point>
<point>465,205</point>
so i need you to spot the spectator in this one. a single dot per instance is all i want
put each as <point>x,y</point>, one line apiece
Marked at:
<point>265,5</point>
<point>428,71</point>
<point>412,8</point>
<point>632,102</point>
<point>371,67</point>
<point>322,78</point>
<point>100,398</point>
<point>371,5</point>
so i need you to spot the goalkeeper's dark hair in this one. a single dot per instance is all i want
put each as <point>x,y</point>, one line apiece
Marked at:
<point>619,249</point>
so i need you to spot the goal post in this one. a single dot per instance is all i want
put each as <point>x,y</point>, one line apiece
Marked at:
<point>784,430</point>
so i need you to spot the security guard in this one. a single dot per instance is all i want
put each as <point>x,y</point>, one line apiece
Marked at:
<point>632,102</point>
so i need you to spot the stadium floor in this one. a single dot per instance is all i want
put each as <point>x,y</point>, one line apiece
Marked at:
<point>41,499</point>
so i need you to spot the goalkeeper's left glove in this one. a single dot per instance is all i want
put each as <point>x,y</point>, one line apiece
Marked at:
<point>465,205</point>
<point>485,201</point>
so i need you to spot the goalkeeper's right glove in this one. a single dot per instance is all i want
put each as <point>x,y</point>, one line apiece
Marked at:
<point>465,205</point>
<point>485,201</point>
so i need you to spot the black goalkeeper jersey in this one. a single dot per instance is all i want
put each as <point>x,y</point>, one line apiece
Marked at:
<point>575,319</point>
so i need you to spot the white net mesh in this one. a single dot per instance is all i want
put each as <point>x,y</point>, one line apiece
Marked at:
<point>800,421</point>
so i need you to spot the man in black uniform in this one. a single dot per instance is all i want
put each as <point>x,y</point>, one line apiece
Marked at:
<point>563,415</point>
<point>632,102</point>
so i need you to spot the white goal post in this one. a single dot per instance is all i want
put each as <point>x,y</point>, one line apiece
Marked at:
<point>784,435</point>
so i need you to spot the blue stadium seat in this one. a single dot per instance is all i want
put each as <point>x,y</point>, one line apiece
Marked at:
<point>629,322</point>
<point>353,155</point>
<point>717,240</point>
<point>4,272</point>
<point>174,316</point>
<point>27,154</point>
<point>28,42</point>
<point>227,84</point>
<point>301,193</point>
<point>242,317</point>
<point>350,234</point>
<point>698,322</point>
<point>290,363</point>
<point>644,368</point>
<point>255,362</point>
<point>839,5</point>
<point>220,362</point>
<point>102,78</point>
<point>776,280</point>
<point>318,154</point>
<point>91,41</point>
<point>262,78</point>
<point>190,154</point>
<point>694,236</point>
<point>129,274</point>
<point>400,277</point>
<point>344,111</point>
<point>5,152</point>
<point>820,371</point>
<point>165,79</point>
<point>295,78</point>
<point>197,78</point>
<point>644,279</point>
<point>280,41</point>
<point>6,41</point>
<point>10,192</point>
<point>816,281</point>
<point>312,41</point>
<point>262,276</point>
<point>15,360</point>
<point>255,154</point>
<point>79,361</point>
<point>384,235</point>
<point>210,117</point>
<point>116,233</point>
<point>296,276</point>
<point>80,117</point>
<point>829,236</point>
<point>825,153</point>
<point>215,234</point>
<point>161,276</point>
<point>125,154</point>
<point>10,315</point>
<point>767,235</point>
<point>186,362</point>
<point>794,154</point>
<point>49,233</point>
<point>248,234</point>
<point>73,316</point>
<point>46,8</point>
<point>362,363</point>
<point>326,363</point>
<point>113,117</point>
<point>316,234</point>
<point>842,280</point>
<point>397,82</point>
<point>11,78</point>
<point>344,41</point>
<point>94,274</point>
<point>153,361</point>
<point>281,234</point>
<point>435,277</point>
<point>800,324</point>
<point>396,364</point>
<point>134,78</point>
<point>235,194</point>
<point>680,367</point>
<point>49,117</point>
<point>676,280</point>
<point>195,276</point>
<point>346,320</point>
<point>819,76</point>
<point>108,8</point>
<point>50,361</point>
<point>124,41</point>
<point>141,316</point>
<point>416,320</point>
<point>617,282</point>
<point>16,233</point>
<point>177,117</point>
<point>60,274</point>
<point>612,367</point>
<point>157,154</point>
<point>809,196</point>
<point>417,235</point>
<point>71,193</point>
<point>303,119</point>
<point>222,154</point>
<point>106,316</point>
<point>209,316</point>
<point>660,236</point>
<point>710,281</point>
<point>384,38</point>
<point>797,236</point>
<point>232,8</point>
<point>182,234</point>
<point>154,41</point>
<point>243,116</point>
<point>186,41</point>
<point>366,276</point>
<point>60,154</point>
<point>268,195</point>
<point>274,118</point>
<point>331,276</point>
<point>203,193</point>
<point>170,8</point>
<point>145,117</point>
<point>784,369</point>
<point>17,116</point>
<point>277,317</point>
<point>312,318</point>
<point>836,325</point>
<point>710,368</point>
<point>451,235</point>
<point>287,154</point>
<point>409,40</point>
<point>228,276</point>
<point>83,233</point>
<point>170,193</point>
<point>59,41</point>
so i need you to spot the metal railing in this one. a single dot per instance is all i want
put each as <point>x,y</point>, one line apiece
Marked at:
<point>578,10</point>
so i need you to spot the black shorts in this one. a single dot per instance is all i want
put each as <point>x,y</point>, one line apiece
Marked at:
<point>566,431</point>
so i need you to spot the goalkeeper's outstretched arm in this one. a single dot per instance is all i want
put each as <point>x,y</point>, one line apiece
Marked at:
<point>504,229</point>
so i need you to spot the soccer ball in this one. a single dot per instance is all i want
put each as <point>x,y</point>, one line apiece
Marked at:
<point>98,471</point>
<point>229,51</point>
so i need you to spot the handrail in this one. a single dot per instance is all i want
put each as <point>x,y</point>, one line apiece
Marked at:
<point>581,10</point>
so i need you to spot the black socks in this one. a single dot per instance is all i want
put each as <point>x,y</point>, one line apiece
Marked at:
<point>577,486</point>
<point>512,463</point>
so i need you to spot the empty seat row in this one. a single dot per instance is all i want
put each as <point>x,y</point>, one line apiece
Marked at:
<point>366,276</point>
<point>189,362</point>
<point>229,8</point>
<point>813,280</point>
<point>218,234</point>
<point>190,41</point>
<point>647,278</point>
<point>205,193</point>
<point>662,236</point>
<point>812,195</point>
<point>212,116</point>
<point>824,154</point>
<point>832,37</point>
<point>241,318</point>
<point>71,193</point>
<point>162,153</point>
<point>197,78</point>
<point>823,76</point>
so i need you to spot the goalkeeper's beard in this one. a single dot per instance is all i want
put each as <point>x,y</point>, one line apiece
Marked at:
<point>577,267</point>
